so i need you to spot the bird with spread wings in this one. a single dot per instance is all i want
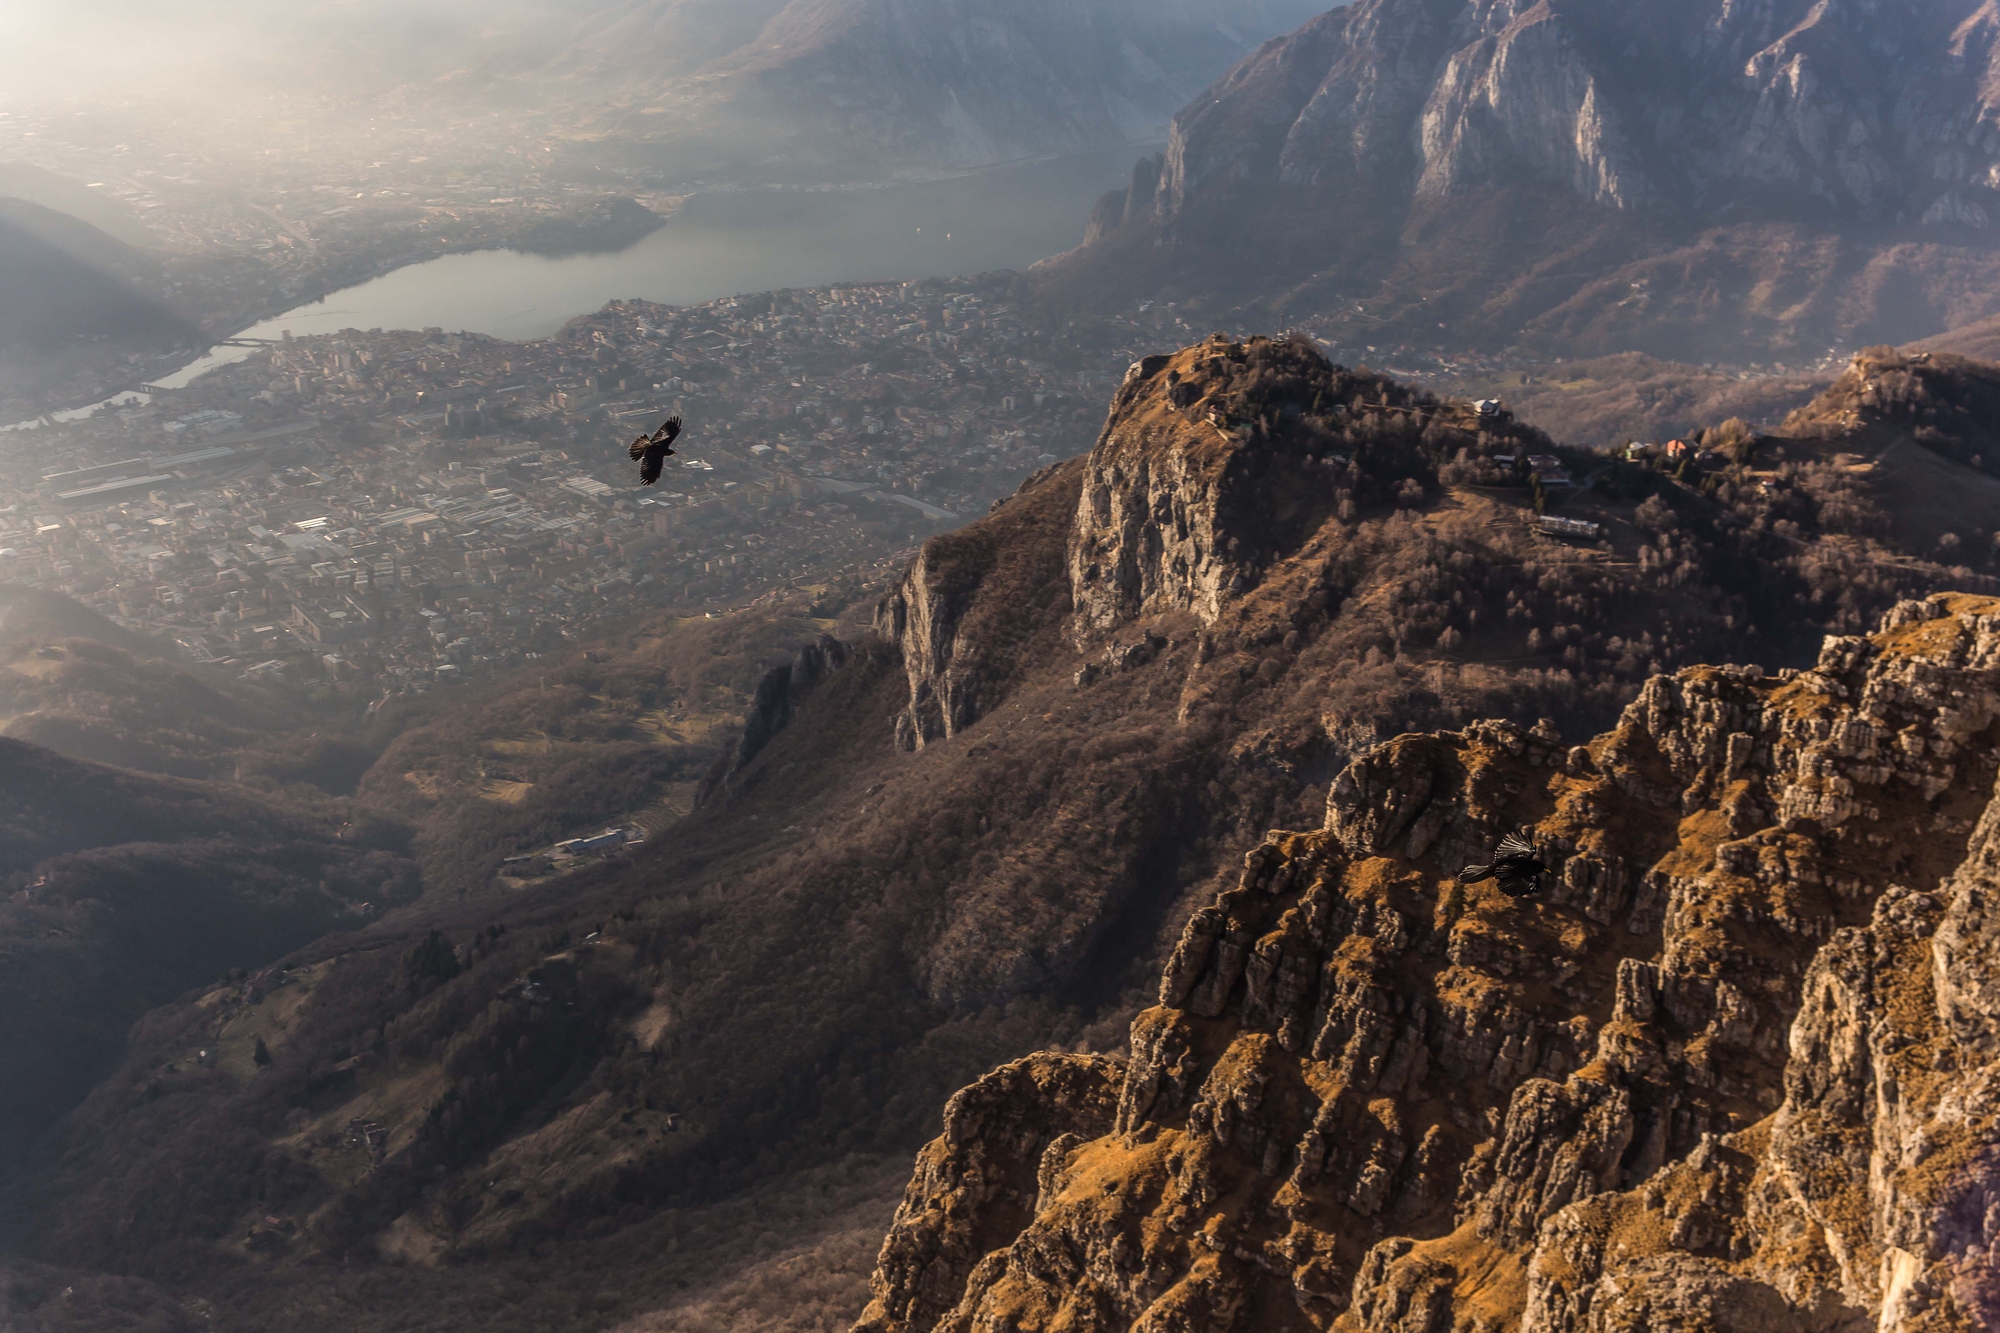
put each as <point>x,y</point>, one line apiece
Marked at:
<point>1516,867</point>
<point>651,452</point>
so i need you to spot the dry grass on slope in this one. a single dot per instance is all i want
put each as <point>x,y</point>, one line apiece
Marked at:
<point>620,732</point>
<point>1604,402</point>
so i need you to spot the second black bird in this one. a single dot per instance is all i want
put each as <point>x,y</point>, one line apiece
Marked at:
<point>1516,867</point>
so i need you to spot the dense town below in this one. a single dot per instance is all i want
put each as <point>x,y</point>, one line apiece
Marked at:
<point>374,512</point>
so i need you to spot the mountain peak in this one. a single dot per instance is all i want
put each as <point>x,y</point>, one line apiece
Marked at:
<point>1226,456</point>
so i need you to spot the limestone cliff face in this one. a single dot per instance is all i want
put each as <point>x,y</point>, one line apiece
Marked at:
<point>1153,528</point>
<point>921,616</point>
<point>1588,176</point>
<point>1737,1070</point>
<point>1222,459</point>
<point>1877,108</point>
<point>969,603</point>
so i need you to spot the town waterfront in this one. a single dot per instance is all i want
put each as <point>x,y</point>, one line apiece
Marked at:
<point>718,245</point>
<point>721,244</point>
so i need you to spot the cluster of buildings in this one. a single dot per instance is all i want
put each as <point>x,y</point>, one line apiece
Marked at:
<point>1672,453</point>
<point>376,512</point>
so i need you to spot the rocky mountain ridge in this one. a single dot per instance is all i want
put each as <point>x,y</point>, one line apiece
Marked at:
<point>1592,176</point>
<point>977,835</point>
<point>1734,1072</point>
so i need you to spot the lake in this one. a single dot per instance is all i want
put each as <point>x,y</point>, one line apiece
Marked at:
<point>719,245</point>
<point>723,244</point>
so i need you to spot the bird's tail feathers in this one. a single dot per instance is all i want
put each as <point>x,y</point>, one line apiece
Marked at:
<point>1473,874</point>
<point>638,449</point>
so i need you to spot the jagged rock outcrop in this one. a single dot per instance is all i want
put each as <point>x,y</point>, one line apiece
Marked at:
<point>1005,1143</point>
<point>968,606</point>
<point>1661,154</point>
<point>770,709</point>
<point>1737,1071</point>
<point>1225,457</point>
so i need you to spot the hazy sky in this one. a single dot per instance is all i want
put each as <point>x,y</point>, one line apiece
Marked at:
<point>75,48</point>
<point>192,48</point>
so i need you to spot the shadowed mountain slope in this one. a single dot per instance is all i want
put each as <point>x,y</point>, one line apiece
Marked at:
<point>60,194</point>
<point>62,280</point>
<point>119,890</point>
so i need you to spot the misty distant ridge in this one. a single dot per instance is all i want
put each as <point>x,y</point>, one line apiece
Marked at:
<point>62,280</point>
<point>830,88</point>
<point>793,89</point>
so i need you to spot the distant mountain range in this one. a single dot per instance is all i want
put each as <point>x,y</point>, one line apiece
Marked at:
<point>829,88</point>
<point>1696,180</point>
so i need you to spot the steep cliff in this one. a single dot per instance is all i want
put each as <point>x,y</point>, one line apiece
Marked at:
<point>968,613</point>
<point>1736,1071</point>
<point>1588,176</point>
<point>1221,460</point>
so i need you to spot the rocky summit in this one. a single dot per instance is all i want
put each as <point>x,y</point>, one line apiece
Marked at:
<point>1696,179</point>
<point>1737,1070</point>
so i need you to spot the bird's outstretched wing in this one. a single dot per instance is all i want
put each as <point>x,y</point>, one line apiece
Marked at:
<point>1517,885</point>
<point>1514,844</point>
<point>649,469</point>
<point>669,432</point>
<point>638,449</point>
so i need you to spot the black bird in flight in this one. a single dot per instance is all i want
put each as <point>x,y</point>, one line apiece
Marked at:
<point>651,452</point>
<point>1516,867</point>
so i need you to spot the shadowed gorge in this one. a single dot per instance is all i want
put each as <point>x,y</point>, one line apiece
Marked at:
<point>122,890</point>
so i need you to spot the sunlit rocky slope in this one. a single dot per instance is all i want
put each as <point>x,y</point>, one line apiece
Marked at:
<point>1735,1072</point>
